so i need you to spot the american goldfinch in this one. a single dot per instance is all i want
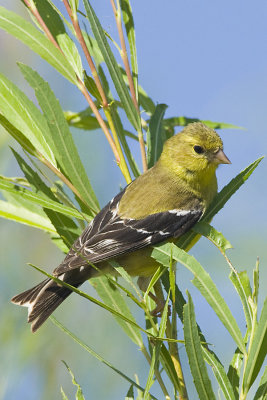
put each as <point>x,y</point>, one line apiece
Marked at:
<point>163,203</point>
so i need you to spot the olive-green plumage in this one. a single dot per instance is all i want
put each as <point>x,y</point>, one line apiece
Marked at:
<point>162,204</point>
<point>180,177</point>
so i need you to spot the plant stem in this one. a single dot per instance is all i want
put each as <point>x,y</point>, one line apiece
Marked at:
<point>173,347</point>
<point>89,59</point>
<point>99,118</point>
<point>157,374</point>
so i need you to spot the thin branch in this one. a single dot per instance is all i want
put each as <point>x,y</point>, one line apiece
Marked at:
<point>100,120</point>
<point>89,59</point>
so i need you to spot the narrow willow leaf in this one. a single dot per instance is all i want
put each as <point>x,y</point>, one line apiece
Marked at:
<point>92,299</point>
<point>24,31</point>
<point>39,199</point>
<point>130,394</point>
<point>63,144</point>
<point>127,14</point>
<point>205,285</point>
<point>257,351</point>
<point>65,226</point>
<point>167,363</point>
<point>255,293</point>
<point>234,372</point>
<point>157,347</point>
<point>94,354</point>
<point>94,50</point>
<point>25,117</point>
<point>82,120</point>
<point>146,101</point>
<point>18,136</point>
<point>24,216</point>
<point>186,241</point>
<point>64,397</point>
<point>159,272</point>
<point>112,297</point>
<point>51,17</point>
<point>219,373</point>
<point>155,139</point>
<point>183,121</point>
<point>261,393</point>
<point>91,87</point>
<point>241,283</point>
<point>195,355</point>
<point>79,393</point>
<point>121,134</point>
<point>204,229</point>
<point>70,51</point>
<point>112,65</point>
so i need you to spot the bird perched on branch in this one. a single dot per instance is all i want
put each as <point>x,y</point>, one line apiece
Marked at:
<point>163,203</point>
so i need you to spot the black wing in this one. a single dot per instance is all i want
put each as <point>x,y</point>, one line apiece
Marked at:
<point>109,236</point>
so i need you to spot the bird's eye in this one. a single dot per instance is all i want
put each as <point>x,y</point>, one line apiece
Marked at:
<point>198,149</point>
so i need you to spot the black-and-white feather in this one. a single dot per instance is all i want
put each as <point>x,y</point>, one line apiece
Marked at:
<point>109,236</point>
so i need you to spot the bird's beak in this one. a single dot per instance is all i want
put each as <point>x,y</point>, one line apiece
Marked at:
<point>221,158</point>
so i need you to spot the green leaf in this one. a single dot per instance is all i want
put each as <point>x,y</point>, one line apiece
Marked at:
<point>51,18</point>
<point>25,117</point>
<point>261,393</point>
<point>112,297</point>
<point>257,351</point>
<point>234,372</point>
<point>64,397</point>
<point>39,199</point>
<point>219,201</point>
<point>146,101</point>
<point>18,136</point>
<point>155,139</point>
<point>65,226</point>
<point>24,216</point>
<point>91,87</point>
<point>24,31</point>
<point>130,394</point>
<point>127,14</point>
<point>255,293</point>
<point>241,283</point>
<point>70,51</point>
<point>183,121</point>
<point>79,393</point>
<point>63,144</point>
<point>195,355</point>
<point>82,120</point>
<point>204,229</point>
<point>121,134</point>
<point>157,348</point>
<point>204,284</point>
<point>97,356</point>
<point>113,67</point>
<point>219,373</point>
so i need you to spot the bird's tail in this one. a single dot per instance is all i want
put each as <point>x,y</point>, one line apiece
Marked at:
<point>41,301</point>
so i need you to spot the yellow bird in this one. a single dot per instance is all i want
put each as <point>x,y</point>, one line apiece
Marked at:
<point>162,204</point>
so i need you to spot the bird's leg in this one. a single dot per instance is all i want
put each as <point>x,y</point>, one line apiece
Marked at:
<point>158,298</point>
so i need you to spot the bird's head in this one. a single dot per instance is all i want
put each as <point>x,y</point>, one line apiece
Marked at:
<point>195,148</point>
